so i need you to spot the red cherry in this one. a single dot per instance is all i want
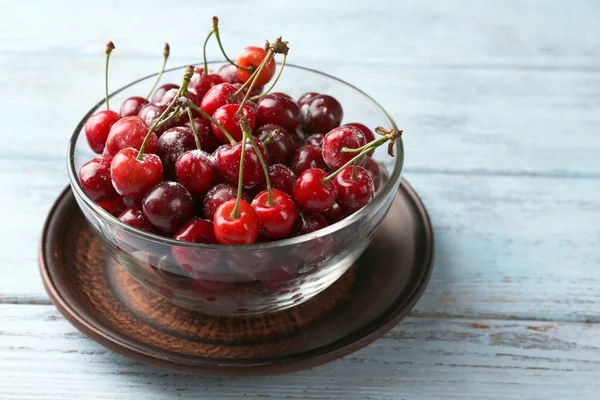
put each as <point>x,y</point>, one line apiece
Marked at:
<point>278,110</point>
<point>150,113</point>
<point>228,163</point>
<point>241,230</point>
<point>218,96</point>
<point>315,140</point>
<point>130,132</point>
<point>168,205</point>
<point>306,97</point>
<point>253,56</point>
<point>196,171</point>
<point>161,90</point>
<point>311,193</point>
<point>97,128</point>
<point>307,157</point>
<point>131,106</point>
<point>338,139</point>
<point>281,148</point>
<point>114,207</point>
<point>134,217</point>
<point>282,178</point>
<point>202,83</point>
<point>369,135</point>
<point>308,222</point>
<point>195,231</point>
<point>208,141</point>
<point>226,116</point>
<point>281,94</point>
<point>320,114</point>
<point>172,144</point>
<point>276,220</point>
<point>218,195</point>
<point>132,177</point>
<point>334,214</point>
<point>354,194</point>
<point>94,176</point>
<point>228,73</point>
<point>373,167</point>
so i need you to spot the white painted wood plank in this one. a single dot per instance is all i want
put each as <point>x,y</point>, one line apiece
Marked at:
<point>524,247</point>
<point>42,356</point>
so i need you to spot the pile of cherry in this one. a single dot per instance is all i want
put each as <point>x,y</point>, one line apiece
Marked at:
<point>220,159</point>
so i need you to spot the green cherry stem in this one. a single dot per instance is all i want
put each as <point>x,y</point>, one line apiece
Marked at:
<point>215,29</point>
<point>110,46</point>
<point>166,52</point>
<point>274,82</point>
<point>235,213</point>
<point>273,137</point>
<point>219,126</point>
<point>245,125</point>
<point>204,51</point>
<point>193,126</point>
<point>187,75</point>
<point>354,177</point>
<point>387,135</point>
<point>254,79</point>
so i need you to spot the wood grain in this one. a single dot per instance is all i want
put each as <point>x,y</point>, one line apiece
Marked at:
<point>422,357</point>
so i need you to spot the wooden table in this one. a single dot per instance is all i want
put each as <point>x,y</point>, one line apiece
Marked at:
<point>500,102</point>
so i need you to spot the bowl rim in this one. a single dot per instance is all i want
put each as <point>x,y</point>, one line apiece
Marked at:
<point>386,191</point>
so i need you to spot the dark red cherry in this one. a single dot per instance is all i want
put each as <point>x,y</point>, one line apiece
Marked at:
<point>132,177</point>
<point>253,56</point>
<point>320,114</point>
<point>161,90</point>
<point>281,94</point>
<point>308,222</point>
<point>277,219</point>
<point>240,230</point>
<point>334,214</point>
<point>97,129</point>
<point>114,207</point>
<point>315,140</point>
<point>337,140</point>
<point>168,205</point>
<point>201,83</point>
<point>171,145</point>
<point>307,157</point>
<point>151,112</point>
<point>94,177</point>
<point>354,194</point>
<point>278,110</point>
<point>305,97</point>
<point>373,167</point>
<point>228,73</point>
<point>208,141</point>
<point>226,116</point>
<point>281,147</point>
<point>130,132</point>
<point>196,171</point>
<point>131,106</point>
<point>218,96</point>
<point>369,135</point>
<point>311,193</point>
<point>228,163</point>
<point>218,195</point>
<point>134,217</point>
<point>282,178</point>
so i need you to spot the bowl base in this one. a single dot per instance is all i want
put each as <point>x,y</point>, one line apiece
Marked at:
<point>104,302</point>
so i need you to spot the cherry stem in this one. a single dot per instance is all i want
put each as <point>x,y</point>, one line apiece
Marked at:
<point>204,52</point>
<point>166,52</point>
<point>190,104</point>
<point>256,73</point>
<point>274,82</point>
<point>252,79</point>
<point>387,135</point>
<point>193,126</point>
<point>187,75</point>
<point>245,125</point>
<point>110,46</point>
<point>272,137</point>
<point>354,177</point>
<point>235,213</point>
<point>215,29</point>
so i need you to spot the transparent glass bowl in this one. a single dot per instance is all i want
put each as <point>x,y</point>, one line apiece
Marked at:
<point>252,279</point>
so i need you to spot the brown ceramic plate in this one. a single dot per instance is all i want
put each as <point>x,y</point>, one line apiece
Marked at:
<point>101,300</point>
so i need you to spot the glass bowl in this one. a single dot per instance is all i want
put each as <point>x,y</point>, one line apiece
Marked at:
<point>252,279</point>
